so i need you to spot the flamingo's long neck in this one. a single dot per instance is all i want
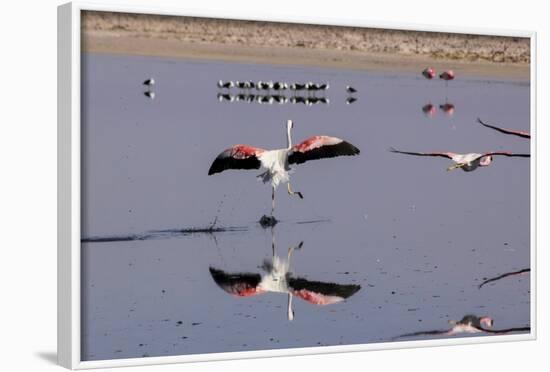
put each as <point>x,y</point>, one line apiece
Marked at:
<point>288,138</point>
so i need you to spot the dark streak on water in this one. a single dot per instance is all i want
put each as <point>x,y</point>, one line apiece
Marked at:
<point>416,238</point>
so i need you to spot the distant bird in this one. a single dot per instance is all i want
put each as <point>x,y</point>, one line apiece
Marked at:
<point>350,100</point>
<point>297,99</point>
<point>297,87</point>
<point>429,110</point>
<point>505,275</point>
<point>351,90</point>
<point>226,97</point>
<point>280,86</point>
<point>226,85</point>
<point>467,162</point>
<point>242,84</point>
<point>428,73</point>
<point>311,87</point>
<point>323,86</point>
<point>265,99</point>
<point>264,85</point>
<point>468,324</point>
<point>324,100</point>
<point>149,82</point>
<point>278,279</point>
<point>277,162</point>
<point>149,94</point>
<point>447,108</point>
<point>518,133</point>
<point>280,99</point>
<point>447,75</point>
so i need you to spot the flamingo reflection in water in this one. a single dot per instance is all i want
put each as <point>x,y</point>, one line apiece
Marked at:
<point>468,324</point>
<point>277,278</point>
<point>467,162</point>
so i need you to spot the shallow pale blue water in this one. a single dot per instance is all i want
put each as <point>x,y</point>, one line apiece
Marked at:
<point>416,238</point>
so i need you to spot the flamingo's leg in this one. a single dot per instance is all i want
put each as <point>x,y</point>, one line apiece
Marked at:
<point>290,192</point>
<point>456,166</point>
<point>272,200</point>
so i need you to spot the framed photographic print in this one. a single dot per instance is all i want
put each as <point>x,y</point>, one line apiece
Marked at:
<point>236,188</point>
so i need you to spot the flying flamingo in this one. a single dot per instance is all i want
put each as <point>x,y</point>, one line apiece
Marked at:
<point>428,73</point>
<point>468,324</point>
<point>518,133</point>
<point>467,162</point>
<point>277,162</point>
<point>502,276</point>
<point>278,279</point>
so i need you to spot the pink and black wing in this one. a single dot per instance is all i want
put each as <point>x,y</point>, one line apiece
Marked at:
<point>237,157</point>
<point>448,155</point>
<point>237,284</point>
<point>320,147</point>
<point>505,153</point>
<point>502,276</point>
<point>321,293</point>
<point>518,133</point>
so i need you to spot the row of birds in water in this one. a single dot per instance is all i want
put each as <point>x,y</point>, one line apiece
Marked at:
<point>277,86</point>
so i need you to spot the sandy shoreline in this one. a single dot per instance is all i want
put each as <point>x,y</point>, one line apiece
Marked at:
<point>307,45</point>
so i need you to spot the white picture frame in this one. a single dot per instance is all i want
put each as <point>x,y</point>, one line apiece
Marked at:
<point>69,51</point>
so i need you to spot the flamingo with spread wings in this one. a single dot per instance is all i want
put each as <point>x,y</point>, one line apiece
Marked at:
<point>277,162</point>
<point>466,162</point>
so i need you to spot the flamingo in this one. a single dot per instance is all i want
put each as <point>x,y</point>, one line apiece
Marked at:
<point>468,324</point>
<point>502,276</point>
<point>277,162</point>
<point>518,133</point>
<point>428,73</point>
<point>429,110</point>
<point>447,75</point>
<point>448,108</point>
<point>467,162</point>
<point>278,279</point>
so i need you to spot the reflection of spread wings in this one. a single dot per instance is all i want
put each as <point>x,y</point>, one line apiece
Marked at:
<point>518,133</point>
<point>321,293</point>
<point>238,284</point>
<point>503,276</point>
<point>506,330</point>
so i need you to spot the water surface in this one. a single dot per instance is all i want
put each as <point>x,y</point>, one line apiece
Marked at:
<point>417,239</point>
